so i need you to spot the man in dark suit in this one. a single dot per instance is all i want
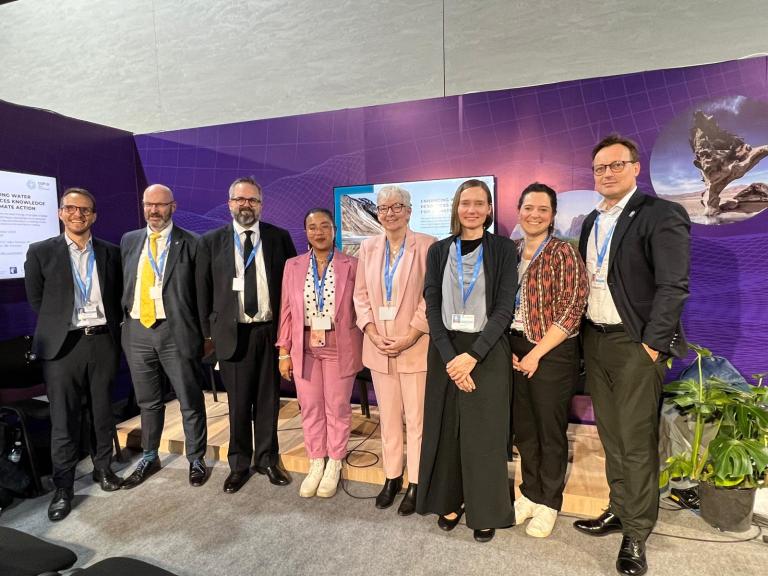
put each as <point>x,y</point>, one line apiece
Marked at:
<point>636,248</point>
<point>73,283</point>
<point>161,332</point>
<point>239,283</point>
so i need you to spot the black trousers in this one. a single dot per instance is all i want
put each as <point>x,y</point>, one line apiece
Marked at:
<point>625,385</point>
<point>252,381</point>
<point>81,374</point>
<point>150,353</point>
<point>541,406</point>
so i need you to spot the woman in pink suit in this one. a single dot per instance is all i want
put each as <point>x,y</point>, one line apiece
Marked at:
<point>390,310</point>
<point>320,348</point>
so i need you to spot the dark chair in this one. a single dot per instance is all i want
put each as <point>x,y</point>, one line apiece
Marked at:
<point>25,555</point>
<point>363,377</point>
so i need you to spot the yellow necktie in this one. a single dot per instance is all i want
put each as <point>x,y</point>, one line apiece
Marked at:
<point>146,304</point>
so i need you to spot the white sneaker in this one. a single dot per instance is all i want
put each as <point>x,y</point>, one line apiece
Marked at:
<point>543,522</point>
<point>314,476</point>
<point>330,479</point>
<point>524,509</point>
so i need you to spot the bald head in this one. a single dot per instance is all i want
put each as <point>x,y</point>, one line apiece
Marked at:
<point>159,206</point>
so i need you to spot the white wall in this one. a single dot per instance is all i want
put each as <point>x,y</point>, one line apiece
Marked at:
<point>150,65</point>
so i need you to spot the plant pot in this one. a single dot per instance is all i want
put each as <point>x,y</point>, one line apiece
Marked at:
<point>727,509</point>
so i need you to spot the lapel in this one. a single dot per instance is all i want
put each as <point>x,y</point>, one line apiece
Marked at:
<point>341,271</point>
<point>267,249</point>
<point>626,218</point>
<point>224,259</point>
<point>300,266</point>
<point>586,230</point>
<point>61,257</point>
<point>375,278</point>
<point>176,243</point>
<point>405,267</point>
<point>131,266</point>
<point>101,266</point>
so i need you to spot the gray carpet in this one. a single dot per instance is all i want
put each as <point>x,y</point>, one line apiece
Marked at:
<point>264,529</point>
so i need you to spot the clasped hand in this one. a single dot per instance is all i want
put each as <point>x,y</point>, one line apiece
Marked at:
<point>459,370</point>
<point>392,346</point>
<point>527,365</point>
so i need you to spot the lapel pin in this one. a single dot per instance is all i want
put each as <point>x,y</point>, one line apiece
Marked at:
<point>631,213</point>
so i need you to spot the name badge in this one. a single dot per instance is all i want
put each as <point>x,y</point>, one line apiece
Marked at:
<point>156,292</point>
<point>88,312</point>
<point>238,284</point>
<point>598,280</point>
<point>387,312</point>
<point>463,322</point>
<point>321,323</point>
<point>317,338</point>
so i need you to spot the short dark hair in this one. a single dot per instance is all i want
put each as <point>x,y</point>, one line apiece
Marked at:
<point>320,211</point>
<point>615,138</point>
<point>245,180</point>
<point>539,187</point>
<point>82,192</point>
<point>471,183</point>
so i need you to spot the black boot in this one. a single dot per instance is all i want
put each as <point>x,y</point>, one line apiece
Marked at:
<point>408,505</point>
<point>387,495</point>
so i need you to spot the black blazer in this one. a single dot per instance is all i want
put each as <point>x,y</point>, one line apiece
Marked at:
<point>51,290</point>
<point>500,270</point>
<point>649,262</point>
<point>217,302</point>
<point>179,293</point>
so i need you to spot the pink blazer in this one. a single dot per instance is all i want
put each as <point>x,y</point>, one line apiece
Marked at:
<point>411,308</point>
<point>349,339</point>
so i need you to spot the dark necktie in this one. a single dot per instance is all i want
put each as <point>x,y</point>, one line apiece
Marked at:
<point>250,295</point>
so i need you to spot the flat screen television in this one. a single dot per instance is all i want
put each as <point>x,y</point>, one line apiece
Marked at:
<point>355,209</point>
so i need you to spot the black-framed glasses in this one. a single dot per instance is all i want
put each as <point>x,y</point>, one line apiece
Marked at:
<point>616,167</point>
<point>151,205</point>
<point>396,208</point>
<point>240,201</point>
<point>71,209</point>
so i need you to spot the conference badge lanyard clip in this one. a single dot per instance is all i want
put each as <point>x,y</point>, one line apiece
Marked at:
<point>388,311</point>
<point>598,280</point>
<point>319,322</point>
<point>89,310</point>
<point>466,322</point>
<point>238,282</point>
<point>158,266</point>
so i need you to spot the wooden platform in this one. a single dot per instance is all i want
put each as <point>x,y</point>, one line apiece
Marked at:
<point>586,491</point>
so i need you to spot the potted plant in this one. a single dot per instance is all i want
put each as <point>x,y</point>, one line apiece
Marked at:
<point>733,463</point>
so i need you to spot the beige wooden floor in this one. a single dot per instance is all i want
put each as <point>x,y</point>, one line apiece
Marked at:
<point>586,491</point>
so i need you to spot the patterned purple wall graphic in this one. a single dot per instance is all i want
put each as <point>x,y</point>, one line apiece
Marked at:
<point>543,133</point>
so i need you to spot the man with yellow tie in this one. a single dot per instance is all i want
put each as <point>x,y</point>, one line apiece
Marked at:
<point>161,332</point>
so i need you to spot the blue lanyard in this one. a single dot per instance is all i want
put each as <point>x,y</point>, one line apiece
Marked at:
<point>600,251</point>
<point>535,254</point>
<point>465,292</point>
<point>320,282</point>
<point>84,286</point>
<point>251,256</point>
<point>389,274</point>
<point>158,266</point>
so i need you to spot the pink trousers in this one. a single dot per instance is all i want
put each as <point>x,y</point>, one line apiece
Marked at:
<point>399,394</point>
<point>324,397</point>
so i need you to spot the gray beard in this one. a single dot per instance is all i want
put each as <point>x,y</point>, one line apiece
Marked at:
<point>245,219</point>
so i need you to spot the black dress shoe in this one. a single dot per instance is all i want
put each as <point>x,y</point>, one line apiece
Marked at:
<point>235,481</point>
<point>108,480</point>
<point>61,504</point>
<point>144,470</point>
<point>391,487</point>
<point>276,475</point>
<point>449,524</point>
<point>408,504</point>
<point>631,560</point>
<point>198,472</point>
<point>604,524</point>
<point>485,535</point>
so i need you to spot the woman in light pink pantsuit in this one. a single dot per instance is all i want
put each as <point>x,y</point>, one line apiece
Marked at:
<point>320,348</point>
<point>391,311</point>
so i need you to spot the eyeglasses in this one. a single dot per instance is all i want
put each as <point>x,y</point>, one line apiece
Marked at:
<point>396,209</point>
<point>616,167</point>
<point>240,201</point>
<point>151,205</point>
<point>71,209</point>
<point>323,228</point>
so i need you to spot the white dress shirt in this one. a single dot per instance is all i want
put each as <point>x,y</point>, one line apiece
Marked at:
<point>162,244</point>
<point>78,260</point>
<point>265,310</point>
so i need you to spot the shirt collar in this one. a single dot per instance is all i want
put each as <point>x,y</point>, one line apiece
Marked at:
<point>165,233</point>
<point>618,207</point>
<point>240,229</point>
<point>71,244</point>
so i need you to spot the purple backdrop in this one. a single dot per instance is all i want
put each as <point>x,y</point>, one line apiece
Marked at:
<point>543,133</point>
<point>100,159</point>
